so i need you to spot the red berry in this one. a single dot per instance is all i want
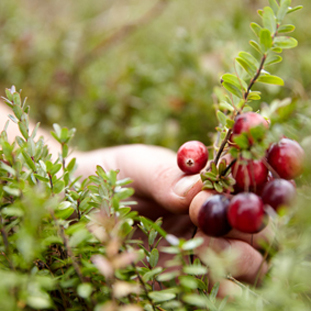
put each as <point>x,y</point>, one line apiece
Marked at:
<point>245,122</point>
<point>278,192</point>
<point>192,157</point>
<point>212,218</point>
<point>249,176</point>
<point>246,212</point>
<point>286,158</point>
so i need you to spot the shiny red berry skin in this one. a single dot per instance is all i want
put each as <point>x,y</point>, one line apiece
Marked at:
<point>278,192</point>
<point>246,212</point>
<point>192,157</point>
<point>245,122</point>
<point>212,218</point>
<point>286,157</point>
<point>249,177</point>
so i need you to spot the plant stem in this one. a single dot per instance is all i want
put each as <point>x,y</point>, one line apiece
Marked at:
<point>252,82</point>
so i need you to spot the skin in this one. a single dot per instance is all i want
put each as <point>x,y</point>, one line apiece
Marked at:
<point>163,190</point>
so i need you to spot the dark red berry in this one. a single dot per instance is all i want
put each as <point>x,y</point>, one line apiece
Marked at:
<point>250,175</point>
<point>245,122</point>
<point>212,218</point>
<point>286,157</point>
<point>192,157</point>
<point>246,212</point>
<point>278,192</point>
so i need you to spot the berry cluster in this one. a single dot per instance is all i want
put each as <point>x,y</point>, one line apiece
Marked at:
<point>250,182</point>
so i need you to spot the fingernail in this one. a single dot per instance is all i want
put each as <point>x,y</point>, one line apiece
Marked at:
<point>184,185</point>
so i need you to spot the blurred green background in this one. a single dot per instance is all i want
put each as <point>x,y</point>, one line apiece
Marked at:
<point>137,71</point>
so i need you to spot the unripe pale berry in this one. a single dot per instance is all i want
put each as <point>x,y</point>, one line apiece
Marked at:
<point>192,157</point>
<point>286,158</point>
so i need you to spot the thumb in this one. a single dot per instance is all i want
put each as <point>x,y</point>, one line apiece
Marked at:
<point>156,176</point>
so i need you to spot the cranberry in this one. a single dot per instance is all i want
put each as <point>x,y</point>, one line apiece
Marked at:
<point>212,216</point>
<point>246,212</point>
<point>192,157</point>
<point>245,122</point>
<point>249,176</point>
<point>286,158</point>
<point>278,192</point>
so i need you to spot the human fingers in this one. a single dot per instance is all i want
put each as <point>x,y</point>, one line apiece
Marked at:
<point>257,240</point>
<point>154,172</point>
<point>239,258</point>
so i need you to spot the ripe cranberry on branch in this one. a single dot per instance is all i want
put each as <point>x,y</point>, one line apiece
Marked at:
<point>244,136</point>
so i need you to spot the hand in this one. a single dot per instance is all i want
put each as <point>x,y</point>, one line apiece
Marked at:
<point>162,190</point>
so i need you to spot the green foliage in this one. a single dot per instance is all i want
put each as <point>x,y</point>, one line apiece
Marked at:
<point>154,83</point>
<point>69,244</point>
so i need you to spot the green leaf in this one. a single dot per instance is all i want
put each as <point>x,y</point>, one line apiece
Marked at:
<point>34,132</point>
<point>151,274</point>
<point>58,186</point>
<point>84,290</point>
<point>233,89</point>
<point>15,192</point>
<point>274,5</point>
<point>41,178</point>
<point>214,292</point>
<point>245,65</point>
<point>152,236</point>
<point>294,9</point>
<point>55,168</point>
<point>23,129</point>
<point>192,244</point>
<point>71,165</point>
<point>57,129</point>
<point>269,79</point>
<point>154,257</point>
<point>18,111</point>
<point>196,300</point>
<point>17,99</point>
<point>274,59</point>
<point>39,302</point>
<point>225,106</point>
<point>229,123</point>
<point>164,277</point>
<point>276,49</point>
<point>12,211</point>
<point>159,296</point>
<point>195,270</point>
<point>218,187</point>
<point>9,94</point>
<point>207,184</point>
<point>265,40</point>
<point>65,150</point>
<point>254,95</point>
<point>221,117</point>
<point>241,140</point>
<point>188,281</point>
<point>28,160</point>
<point>269,20</point>
<point>285,42</point>
<point>286,28</point>
<point>284,4</point>
<point>234,80</point>
<point>250,60</point>
<point>256,29</point>
<point>255,45</point>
